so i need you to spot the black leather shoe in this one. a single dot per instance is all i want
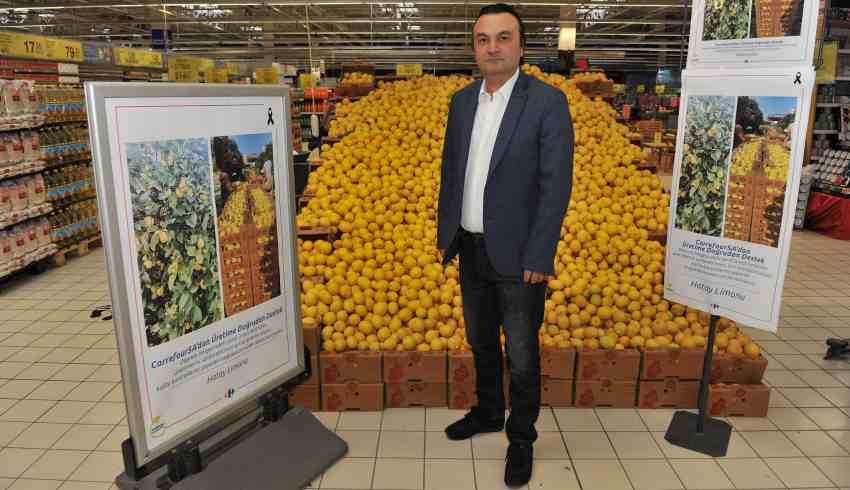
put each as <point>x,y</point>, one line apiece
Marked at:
<point>471,424</point>
<point>518,464</point>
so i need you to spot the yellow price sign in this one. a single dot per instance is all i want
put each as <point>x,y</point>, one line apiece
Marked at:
<point>306,80</point>
<point>641,88</point>
<point>659,89</point>
<point>408,69</point>
<point>40,47</point>
<point>266,76</point>
<point>138,58</point>
<point>219,75</point>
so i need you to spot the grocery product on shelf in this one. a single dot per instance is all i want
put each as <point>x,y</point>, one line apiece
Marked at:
<point>74,223</point>
<point>833,169</point>
<point>380,286</point>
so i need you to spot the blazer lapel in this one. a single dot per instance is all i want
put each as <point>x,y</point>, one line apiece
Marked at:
<point>471,106</point>
<point>516,104</point>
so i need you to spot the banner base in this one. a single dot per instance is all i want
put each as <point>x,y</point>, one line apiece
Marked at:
<point>287,454</point>
<point>712,441</point>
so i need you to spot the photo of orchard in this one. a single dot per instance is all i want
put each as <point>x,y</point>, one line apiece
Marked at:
<point>174,225</point>
<point>245,203</point>
<point>759,170</point>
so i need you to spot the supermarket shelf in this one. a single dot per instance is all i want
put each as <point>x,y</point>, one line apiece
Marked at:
<point>825,131</point>
<point>28,259</point>
<point>28,121</point>
<point>57,207</point>
<point>16,217</point>
<point>842,79</point>
<point>21,169</point>
<point>308,113</point>
<point>828,104</point>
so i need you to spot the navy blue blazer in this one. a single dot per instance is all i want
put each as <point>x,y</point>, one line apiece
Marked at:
<point>529,181</point>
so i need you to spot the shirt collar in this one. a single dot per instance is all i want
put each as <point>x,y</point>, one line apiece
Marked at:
<point>505,90</point>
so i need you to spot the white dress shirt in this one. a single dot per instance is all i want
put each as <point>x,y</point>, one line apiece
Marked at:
<point>488,119</point>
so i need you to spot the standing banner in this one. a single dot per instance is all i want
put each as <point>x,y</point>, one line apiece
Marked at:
<point>728,32</point>
<point>739,156</point>
<point>195,191</point>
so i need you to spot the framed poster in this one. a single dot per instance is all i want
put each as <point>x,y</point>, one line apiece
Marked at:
<point>195,190</point>
<point>736,32</point>
<point>739,155</point>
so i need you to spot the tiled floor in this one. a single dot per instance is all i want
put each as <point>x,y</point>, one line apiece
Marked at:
<point>62,413</point>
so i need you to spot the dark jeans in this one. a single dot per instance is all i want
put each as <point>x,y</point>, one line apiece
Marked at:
<point>491,300</point>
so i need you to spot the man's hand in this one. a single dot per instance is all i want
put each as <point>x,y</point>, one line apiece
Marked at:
<point>533,277</point>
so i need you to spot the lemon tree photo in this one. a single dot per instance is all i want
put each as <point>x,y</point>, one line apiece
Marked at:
<point>244,188</point>
<point>174,225</point>
<point>705,158</point>
<point>726,19</point>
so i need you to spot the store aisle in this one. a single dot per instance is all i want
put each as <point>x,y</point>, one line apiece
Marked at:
<point>62,416</point>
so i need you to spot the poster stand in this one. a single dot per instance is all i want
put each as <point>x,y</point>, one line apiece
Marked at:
<point>697,431</point>
<point>272,446</point>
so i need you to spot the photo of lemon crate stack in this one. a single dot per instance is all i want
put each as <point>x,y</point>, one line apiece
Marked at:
<point>755,199</point>
<point>248,240</point>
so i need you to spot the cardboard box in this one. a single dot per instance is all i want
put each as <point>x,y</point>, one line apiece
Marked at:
<point>605,393</point>
<point>558,363</point>
<point>461,367</point>
<point>306,396</point>
<point>660,364</point>
<point>353,396</point>
<point>341,367</point>
<point>462,396</point>
<point>555,392</point>
<point>312,338</point>
<point>313,380</point>
<point>726,368</point>
<point>609,365</point>
<point>416,394</point>
<point>738,400</point>
<point>404,366</point>
<point>669,393</point>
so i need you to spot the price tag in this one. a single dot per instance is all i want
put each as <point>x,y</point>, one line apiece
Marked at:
<point>641,88</point>
<point>138,57</point>
<point>306,80</point>
<point>408,69</point>
<point>40,48</point>
<point>266,76</point>
<point>659,89</point>
<point>219,75</point>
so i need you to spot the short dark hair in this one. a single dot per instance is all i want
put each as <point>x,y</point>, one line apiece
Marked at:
<point>503,8</point>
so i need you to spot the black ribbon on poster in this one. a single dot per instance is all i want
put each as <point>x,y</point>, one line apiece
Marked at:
<point>271,118</point>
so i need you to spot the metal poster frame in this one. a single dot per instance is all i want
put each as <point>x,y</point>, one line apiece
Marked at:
<point>108,195</point>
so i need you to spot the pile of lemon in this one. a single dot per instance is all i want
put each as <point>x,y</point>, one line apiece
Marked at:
<point>380,286</point>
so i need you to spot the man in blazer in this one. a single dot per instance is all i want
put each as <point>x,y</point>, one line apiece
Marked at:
<point>505,186</point>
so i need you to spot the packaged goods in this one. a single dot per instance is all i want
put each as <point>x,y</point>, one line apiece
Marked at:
<point>15,147</point>
<point>38,194</point>
<point>19,242</point>
<point>20,195</point>
<point>5,198</point>
<point>11,93</point>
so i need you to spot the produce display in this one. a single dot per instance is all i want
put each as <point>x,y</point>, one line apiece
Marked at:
<point>357,78</point>
<point>248,236</point>
<point>380,286</point>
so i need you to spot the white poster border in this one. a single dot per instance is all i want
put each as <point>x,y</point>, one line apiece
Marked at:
<point>272,104</point>
<point>788,82</point>
<point>787,50</point>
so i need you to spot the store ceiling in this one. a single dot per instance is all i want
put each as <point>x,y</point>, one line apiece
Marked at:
<point>626,34</point>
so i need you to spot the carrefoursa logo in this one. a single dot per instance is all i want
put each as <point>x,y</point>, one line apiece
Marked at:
<point>157,427</point>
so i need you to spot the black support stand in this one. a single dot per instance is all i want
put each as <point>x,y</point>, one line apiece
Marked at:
<point>268,447</point>
<point>698,432</point>
<point>837,349</point>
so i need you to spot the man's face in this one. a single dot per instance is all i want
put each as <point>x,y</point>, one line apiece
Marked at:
<point>497,45</point>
